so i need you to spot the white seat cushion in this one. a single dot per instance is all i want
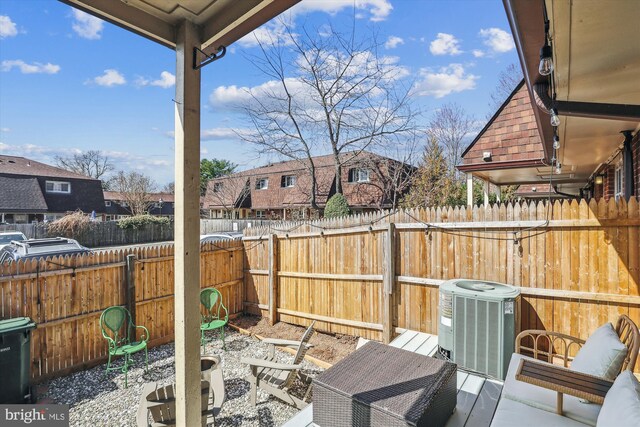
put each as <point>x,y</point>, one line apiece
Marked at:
<point>602,354</point>
<point>542,398</point>
<point>621,406</point>
<point>510,413</point>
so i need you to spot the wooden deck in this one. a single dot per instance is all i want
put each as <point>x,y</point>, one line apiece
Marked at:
<point>477,396</point>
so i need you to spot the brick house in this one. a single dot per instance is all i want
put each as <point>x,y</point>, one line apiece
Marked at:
<point>509,151</point>
<point>115,206</point>
<point>283,190</point>
<point>31,191</point>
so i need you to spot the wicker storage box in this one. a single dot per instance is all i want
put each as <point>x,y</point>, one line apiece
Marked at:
<point>380,385</point>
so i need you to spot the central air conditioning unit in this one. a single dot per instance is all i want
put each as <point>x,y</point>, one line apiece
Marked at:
<point>477,327</point>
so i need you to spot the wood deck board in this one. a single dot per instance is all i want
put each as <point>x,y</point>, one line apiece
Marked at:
<point>477,396</point>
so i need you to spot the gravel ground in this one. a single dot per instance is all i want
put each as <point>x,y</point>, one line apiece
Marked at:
<point>97,399</point>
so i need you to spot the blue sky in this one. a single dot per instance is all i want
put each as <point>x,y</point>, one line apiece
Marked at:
<point>70,82</point>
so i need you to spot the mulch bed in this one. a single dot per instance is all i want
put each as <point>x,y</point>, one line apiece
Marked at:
<point>329,348</point>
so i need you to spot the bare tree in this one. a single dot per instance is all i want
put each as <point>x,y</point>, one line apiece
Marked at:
<point>229,191</point>
<point>332,94</point>
<point>449,126</point>
<point>135,189</point>
<point>169,188</point>
<point>392,170</point>
<point>91,163</point>
<point>508,79</point>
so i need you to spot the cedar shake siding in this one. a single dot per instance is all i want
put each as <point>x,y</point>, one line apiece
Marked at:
<point>288,186</point>
<point>39,190</point>
<point>510,135</point>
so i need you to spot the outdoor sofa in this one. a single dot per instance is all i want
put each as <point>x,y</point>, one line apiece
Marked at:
<point>609,354</point>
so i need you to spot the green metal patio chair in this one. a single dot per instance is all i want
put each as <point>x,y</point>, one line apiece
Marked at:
<point>116,325</point>
<point>211,299</point>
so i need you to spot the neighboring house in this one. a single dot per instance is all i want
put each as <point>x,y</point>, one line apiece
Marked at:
<point>31,191</point>
<point>283,190</point>
<point>509,151</point>
<point>116,207</point>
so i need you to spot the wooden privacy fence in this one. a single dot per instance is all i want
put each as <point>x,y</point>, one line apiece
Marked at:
<point>577,265</point>
<point>66,295</point>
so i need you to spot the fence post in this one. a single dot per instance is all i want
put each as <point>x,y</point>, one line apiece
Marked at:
<point>273,279</point>
<point>389,277</point>
<point>131,287</point>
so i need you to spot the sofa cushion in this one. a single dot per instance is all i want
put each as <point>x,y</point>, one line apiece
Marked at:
<point>510,413</point>
<point>542,398</point>
<point>621,405</point>
<point>602,354</point>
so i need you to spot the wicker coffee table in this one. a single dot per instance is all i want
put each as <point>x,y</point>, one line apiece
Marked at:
<point>380,385</point>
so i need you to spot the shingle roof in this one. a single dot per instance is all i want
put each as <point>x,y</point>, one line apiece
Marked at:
<point>13,165</point>
<point>21,194</point>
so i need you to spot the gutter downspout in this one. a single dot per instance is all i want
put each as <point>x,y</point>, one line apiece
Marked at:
<point>627,162</point>
<point>584,109</point>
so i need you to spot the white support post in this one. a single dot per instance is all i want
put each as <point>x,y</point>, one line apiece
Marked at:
<point>497,192</point>
<point>469,190</point>
<point>486,193</point>
<point>187,232</point>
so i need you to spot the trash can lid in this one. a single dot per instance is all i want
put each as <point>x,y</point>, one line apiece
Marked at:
<point>16,324</point>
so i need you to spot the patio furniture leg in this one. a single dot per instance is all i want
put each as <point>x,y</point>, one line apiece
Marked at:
<point>254,385</point>
<point>108,364</point>
<point>559,404</point>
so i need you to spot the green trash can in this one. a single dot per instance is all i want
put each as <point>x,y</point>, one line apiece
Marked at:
<point>15,360</point>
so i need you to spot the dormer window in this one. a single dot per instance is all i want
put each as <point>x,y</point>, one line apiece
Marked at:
<point>217,187</point>
<point>358,175</point>
<point>107,203</point>
<point>262,184</point>
<point>58,187</point>
<point>288,181</point>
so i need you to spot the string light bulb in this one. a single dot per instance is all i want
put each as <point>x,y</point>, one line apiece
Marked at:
<point>558,168</point>
<point>555,119</point>
<point>546,60</point>
<point>556,142</point>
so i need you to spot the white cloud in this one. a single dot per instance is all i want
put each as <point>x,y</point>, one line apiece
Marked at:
<point>165,81</point>
<point>272,32</point>
<point>5,130</point>
<point>445,44</point>
<point>447,80</point>
<point>393,42</point>
<point>35,68</point>
<point>478,53</point>
<point>379,10</point>
<point>498,41</point>
<point>110,78</point>
<point>7,27</point>
<point>275,30</point>
<point>87,26</point>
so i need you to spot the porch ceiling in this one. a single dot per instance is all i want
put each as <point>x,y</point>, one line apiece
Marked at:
<point>596,59</point>
<point>221,22</point>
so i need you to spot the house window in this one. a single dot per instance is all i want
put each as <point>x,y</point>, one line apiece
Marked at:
<point>107,203</point>
<point>21,218</point>
<point>288,181</point>
<point>58,187</point>
<point>262,184</point>
<point>618,191</point>
<point>358,175</point>
<point>124,204</point>
<point>217,187</point>
<point>260,214</point>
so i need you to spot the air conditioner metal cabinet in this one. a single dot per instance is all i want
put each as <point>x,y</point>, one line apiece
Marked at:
<point>478,324</point>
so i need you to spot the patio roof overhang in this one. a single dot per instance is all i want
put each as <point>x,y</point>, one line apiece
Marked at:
<point>220,22</point>
<point>187,26</point>
<point>596,58</point>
